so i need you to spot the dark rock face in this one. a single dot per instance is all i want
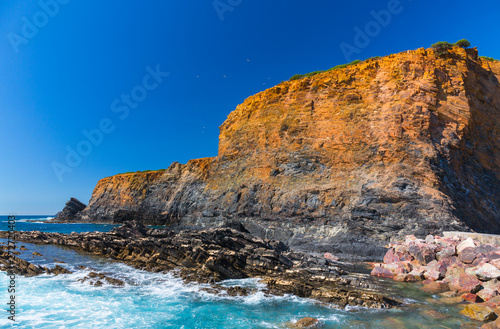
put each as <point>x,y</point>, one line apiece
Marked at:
<point>73,207</point>
<point>215,254</point>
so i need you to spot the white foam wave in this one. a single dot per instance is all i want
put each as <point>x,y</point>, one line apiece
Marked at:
<point>35,220</point>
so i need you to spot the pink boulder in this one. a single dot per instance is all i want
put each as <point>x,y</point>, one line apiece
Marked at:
<point>396,268</point>
<point>446,252</point>
<point>435,270</point>
<point>390,257</point>
<point>487,272</point>
<point>472,298</point>
<point>382,272</point>
<point>331,257</point>
<point>462,282</point>
<point>495,262</point>
<point>467,243</point>
<point>467,255</point>
<point>424,253</point>
<point>487,294</point>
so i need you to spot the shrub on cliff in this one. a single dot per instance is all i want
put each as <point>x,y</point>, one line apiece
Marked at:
<point>464,43</point>
<point>296,77</point>
<point>310,74</point>
<point>491,59</point>
<point>441,47</point>
<point>341,66</point>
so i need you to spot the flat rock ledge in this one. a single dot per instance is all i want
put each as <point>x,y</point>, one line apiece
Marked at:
<point>215,254</point>
<point>458,268</point>
<point>11,264</point>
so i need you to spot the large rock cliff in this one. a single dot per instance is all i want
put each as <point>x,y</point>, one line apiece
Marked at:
<point>349,158</point>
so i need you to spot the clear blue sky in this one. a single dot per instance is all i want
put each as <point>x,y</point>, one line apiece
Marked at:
<point>67,74</point>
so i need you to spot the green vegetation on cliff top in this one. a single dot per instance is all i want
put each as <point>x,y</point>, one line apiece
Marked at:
<point>140,172</point>
<point>440,47</point>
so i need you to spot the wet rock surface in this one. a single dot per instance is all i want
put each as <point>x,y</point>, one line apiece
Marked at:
<point>212,255</point>
<point>97,279</point>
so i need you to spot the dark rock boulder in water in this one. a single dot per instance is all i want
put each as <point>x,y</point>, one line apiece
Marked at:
<point>73,207</point>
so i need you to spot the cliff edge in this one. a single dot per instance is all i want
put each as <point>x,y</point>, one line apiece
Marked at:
<point>346,159</point>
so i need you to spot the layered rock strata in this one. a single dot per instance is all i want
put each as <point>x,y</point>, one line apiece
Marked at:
<point>342,161</point>
<point>213,255</point>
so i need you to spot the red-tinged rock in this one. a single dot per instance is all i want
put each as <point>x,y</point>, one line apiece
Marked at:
<point>460,281</point>
<point>480,260</point>
<point>446,252</point>
<point>492,325</point>
<point>471,298</point>
<point>494,302</point>
<point>467,243</point>
<point>494,255</point>
<point>435,270</point>
<point>331,257</point>
<point>486,248</point>
<point>467,255</point>
<point>479,312</point>
<point>395,268</point>
<point>448,261</point>
<point>487,272</point>
<point>390,257</point>
<point>495,262</point>
<point>402,253</point>
<point>382,272</point>
<point>435,287</point>
<point>433,275</point>
<point>422,252</point>
<point>447,241</point>
<point>400,249</point>
<point>487,294</point>
<point>492,284</point>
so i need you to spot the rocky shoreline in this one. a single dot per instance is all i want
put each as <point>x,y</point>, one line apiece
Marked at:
<point>459,271</point>
<point>212,255</point>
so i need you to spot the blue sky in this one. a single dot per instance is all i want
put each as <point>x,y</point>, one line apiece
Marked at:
<point>69,71</point>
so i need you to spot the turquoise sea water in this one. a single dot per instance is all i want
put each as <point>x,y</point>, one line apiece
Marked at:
<point>155,300</point>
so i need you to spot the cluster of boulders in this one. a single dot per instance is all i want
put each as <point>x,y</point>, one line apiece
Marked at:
<point>463,269</point>
<point>214,254</point>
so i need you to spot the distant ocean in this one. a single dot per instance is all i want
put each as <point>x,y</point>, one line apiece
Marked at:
<point>154,300</point>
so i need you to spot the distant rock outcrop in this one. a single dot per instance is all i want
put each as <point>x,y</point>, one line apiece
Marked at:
<point>73,207</point>
<point>404,144</point>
